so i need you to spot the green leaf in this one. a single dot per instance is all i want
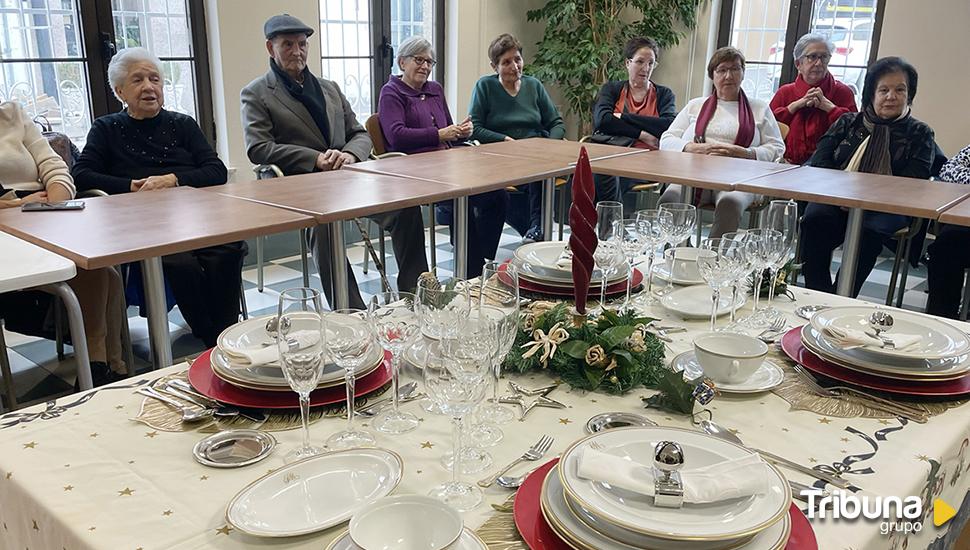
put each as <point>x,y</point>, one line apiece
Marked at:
<point>615,335</point>
<point>575,349</point>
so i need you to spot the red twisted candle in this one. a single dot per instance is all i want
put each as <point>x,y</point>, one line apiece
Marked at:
<point>582,223</point>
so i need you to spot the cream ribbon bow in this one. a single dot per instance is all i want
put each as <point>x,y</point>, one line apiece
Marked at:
<point>546,343</point>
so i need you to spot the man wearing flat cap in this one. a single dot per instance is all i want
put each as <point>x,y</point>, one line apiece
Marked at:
<point>304,124</point>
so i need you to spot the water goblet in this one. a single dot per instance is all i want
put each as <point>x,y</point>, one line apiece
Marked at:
<point>396,326</point>
<point>350,342</point>
<point>442,305</point>
<point>717,265</point>
<point>631,244</point>
<point>651,224</point>
<point>498,299</point>
<point>301,343</point>
<point>782,216</point>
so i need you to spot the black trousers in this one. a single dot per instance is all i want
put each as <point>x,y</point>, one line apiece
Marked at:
<point>949,257</point>
<point>823,230</point>
<point>407,238</point>
<point>206,284</point>
<point>525,210</point>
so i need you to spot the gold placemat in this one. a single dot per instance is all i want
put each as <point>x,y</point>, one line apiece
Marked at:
<point>499,532</point>
<point>160,416</point>
<point>799,396</point>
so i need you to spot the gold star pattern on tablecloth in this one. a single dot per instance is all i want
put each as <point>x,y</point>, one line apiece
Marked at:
<point>35,528</point>
<point>844,439</point>
<point>68,487</point>
<point>427,445</point>
<point>884,422</point>
<point>126,492</point>
<point>203,478</point>
<point>92,528</point>
<point>31,445</point>
<point>9,475</point>
<point>824,420</point>
<point>95,434</point>
<point>565,421</point>
<point>224,530</point>
<point>167,513</point>
<point>784,429</point>
<point>812,459</point>
<point>923,458</point>
<point>119,407</point>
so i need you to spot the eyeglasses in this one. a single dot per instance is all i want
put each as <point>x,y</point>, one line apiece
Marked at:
<point>419,61</point>
<point>641,63</point>
<point>721,71</point>
<point>816,57</point>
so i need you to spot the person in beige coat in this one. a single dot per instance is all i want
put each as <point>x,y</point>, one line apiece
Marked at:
<point>304,124</point>
<point>30,171</point>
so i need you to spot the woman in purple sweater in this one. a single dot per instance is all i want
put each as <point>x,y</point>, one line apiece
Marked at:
<point>414,118</point>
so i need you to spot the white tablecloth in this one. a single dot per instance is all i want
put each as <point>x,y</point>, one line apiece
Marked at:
<point>78,474</point>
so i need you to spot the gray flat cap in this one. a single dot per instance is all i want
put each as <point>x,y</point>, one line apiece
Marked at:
<point>285,24</point>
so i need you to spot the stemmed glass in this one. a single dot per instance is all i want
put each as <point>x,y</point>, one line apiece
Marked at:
<point>498,300</point>
<point>677,228</point>
<point>740,239</point>
<point>631,244</point>
<point>301,343</point>
<point>764,246</point>
<point>783,217</point>
<point>350,343</point>
<point>395,324</point>
<point>651,225</point>
<point>717,265</point>
<point>442,306</point>
<point>607,255</point>
<point>456,377</point>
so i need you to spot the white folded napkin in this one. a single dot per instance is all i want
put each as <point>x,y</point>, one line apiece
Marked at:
<point>255,357</point>
<point>736,478</point>
<point>565,259</point>
<point>849,338</point>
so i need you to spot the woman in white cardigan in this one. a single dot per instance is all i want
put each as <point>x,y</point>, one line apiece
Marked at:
<point>724,124</point>
<point>30,171</point>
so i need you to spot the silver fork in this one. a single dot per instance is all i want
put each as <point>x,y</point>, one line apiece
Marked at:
<point>839,392</point>
<point>773,329</point>
<point>535,452</point>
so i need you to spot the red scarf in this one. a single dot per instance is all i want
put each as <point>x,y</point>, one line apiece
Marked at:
<point>809,123</point>
<point>745,133</point>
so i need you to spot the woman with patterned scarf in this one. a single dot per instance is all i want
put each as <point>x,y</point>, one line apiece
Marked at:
<point>725,124</point>
<point>883,139</point>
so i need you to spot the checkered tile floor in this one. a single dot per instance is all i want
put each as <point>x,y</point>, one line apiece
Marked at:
<point>39,375</point>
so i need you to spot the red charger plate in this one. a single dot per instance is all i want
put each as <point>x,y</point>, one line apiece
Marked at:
<point>207,383</point>
<point>791,344</point>
<point>539,536</point>
<point>530,286</point>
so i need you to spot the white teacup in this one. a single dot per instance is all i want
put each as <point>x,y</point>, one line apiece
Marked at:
<point>405,522</point>
<point>729,358</point>
<point>682,262</point>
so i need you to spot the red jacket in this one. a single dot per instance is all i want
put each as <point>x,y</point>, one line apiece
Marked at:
<point>808,124</point>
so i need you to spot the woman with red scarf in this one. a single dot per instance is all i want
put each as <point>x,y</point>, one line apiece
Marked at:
<point>725,124</point>
<point>814,101</point>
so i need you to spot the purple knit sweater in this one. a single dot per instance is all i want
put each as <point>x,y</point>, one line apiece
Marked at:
<point>410,119</point>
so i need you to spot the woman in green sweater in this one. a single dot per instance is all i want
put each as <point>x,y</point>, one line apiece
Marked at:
<point>507,106</point>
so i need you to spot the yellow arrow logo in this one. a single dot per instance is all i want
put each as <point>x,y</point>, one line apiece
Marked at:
<point>942,512</point>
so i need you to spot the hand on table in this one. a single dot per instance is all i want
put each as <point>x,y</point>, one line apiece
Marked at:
<point>334,159</point>
<point>152,183</point>
<point>650,140</point>
<point>724,150</point>
<point>699,148</point>
<point>40,196</point>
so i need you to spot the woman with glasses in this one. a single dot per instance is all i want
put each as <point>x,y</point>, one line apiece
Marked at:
<point>414,118</point>
<point>728,124</point>
<point>814,101</point>
<point>632,112</point>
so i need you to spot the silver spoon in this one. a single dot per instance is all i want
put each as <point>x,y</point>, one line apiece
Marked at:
<point>514,482</point>
<point>188,415</point>
<point>806,312</point>
<point>722,433</point>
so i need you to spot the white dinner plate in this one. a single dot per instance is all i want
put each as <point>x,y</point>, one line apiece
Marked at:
<point>250,333</point>
<point>270,376</point>
<point>694,302</point>
<point>926,370</point>
<point>315,493</point>
<point>661,270</point>
<point>467,541</point>
<point>766,377</point>
<point>940,340</point>
<point>732,519</point>
<point>538,260</point>
<point>588,532</point>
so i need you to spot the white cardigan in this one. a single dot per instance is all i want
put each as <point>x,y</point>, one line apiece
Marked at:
<point>27,162</point>
<point>723,128</point>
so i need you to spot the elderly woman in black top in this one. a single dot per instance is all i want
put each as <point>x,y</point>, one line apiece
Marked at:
<point>950,252</point>
<point>145,148</point>
<point>632,112</point>
<point>882,139</point>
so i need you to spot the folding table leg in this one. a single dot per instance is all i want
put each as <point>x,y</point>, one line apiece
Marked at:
<point>461,237</point>
<point>158,335</point>
<point>64,292</point>
<point>548,196</point>
<point>850,252</point>
<point>119,284</point>
<point>431,239</point>
<point>338,266</point>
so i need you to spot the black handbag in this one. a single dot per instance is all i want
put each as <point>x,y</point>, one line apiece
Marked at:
<point>607,139</point>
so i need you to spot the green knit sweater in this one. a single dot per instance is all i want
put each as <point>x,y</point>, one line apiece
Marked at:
<point>496,114</point>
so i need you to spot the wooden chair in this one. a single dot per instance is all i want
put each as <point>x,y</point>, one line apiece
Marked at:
<point>784,130</point>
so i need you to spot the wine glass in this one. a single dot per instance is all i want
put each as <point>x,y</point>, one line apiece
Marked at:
<point>396,326</point>
<point>442,306</point>
<point>631,244</point>
<point>350,343</point>
<point>651,225</point>
<point>740,239</point>
<point>499,300</point>
<point>717,265</point>
<point>783,217</point>
<point>607,255</point>
<point>456,378</point>
<point>764,247</point>
<point>682,222</point>
<point>301,343</point>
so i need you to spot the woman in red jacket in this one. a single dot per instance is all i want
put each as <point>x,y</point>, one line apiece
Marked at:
<point>814,101</point>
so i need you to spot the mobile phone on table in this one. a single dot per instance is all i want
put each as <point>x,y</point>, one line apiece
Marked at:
<point>47,206</point>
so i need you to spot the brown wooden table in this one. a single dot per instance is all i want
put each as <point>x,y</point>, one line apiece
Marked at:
<point>958,214</point>
<point>688,169</point>
<point>143,227</point>
<point>558,149</point>
<point>859,192</point>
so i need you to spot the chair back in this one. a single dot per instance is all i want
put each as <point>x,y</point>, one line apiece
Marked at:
<point>784,130</point>
<point>373,126</point>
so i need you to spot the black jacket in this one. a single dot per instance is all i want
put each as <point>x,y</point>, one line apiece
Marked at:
<point>630,125</point>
